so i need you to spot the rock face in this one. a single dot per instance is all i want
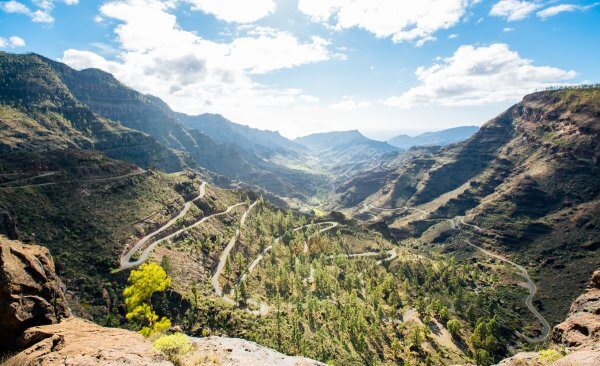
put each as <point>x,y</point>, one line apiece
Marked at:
<point>580,333</point>
<point>582,327</point>
<point>237,352</point>
<point>30,291</point>
<point>75,341</point>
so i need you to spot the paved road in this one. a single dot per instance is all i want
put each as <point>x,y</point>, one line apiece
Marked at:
<point>45,174</point>
<point>225,255</point>
<point>368,207</point>
<point>93,180</point>
<point>259,258</point>
<point>530,285</point>
<point>522,271</point>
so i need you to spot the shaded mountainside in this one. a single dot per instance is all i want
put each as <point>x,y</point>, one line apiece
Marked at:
<point>218,145</point>
<point>437,138</point>
<point>529,178</point>
<point>263,143</point>
<point>39,112</point>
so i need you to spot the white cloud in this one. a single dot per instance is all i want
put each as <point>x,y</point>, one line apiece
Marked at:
<point>477,76</point>
<point>14,7</point>
<point>308,98</point>
<point>349,104</point>
<point>157,56</point>
<point>12,42</point>
<point>562,8</point>
<point>238,11</point>
<point>407,20</point>
<point>16,41</point>
<point>453,36</point>
<point>38,16</point>
<point>41,15</point>
<point>514,9</point>
<point>508,29</point>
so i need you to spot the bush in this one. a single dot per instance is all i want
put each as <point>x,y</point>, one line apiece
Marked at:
<point>548,356</point>
<point>173,345</point>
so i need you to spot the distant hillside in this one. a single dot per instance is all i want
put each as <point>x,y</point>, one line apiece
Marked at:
<point>340,140</point>
<point>264,143</point>
<point>343,153</point>
<point>437,138</point>
<point>529,178</point>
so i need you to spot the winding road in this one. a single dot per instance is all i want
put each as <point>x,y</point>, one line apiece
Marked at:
<point>225,255</point>
<point>530,285</point>
<point>125,261</point>
<point>368,207</point>
<point>92,180</point>
<point>259,258</point>
<point>522,271</point>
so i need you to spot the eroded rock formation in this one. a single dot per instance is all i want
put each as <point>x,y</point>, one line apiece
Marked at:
<point>30,291</point>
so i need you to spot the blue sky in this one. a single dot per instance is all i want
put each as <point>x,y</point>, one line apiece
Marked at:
<point>302,66</point>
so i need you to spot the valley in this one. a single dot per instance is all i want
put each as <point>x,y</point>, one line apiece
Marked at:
<point>462,246</point>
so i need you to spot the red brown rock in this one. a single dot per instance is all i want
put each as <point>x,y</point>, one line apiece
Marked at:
<point>78,342</point>
<point>30,291</point>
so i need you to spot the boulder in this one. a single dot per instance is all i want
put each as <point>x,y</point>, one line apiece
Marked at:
<point>31,293</point>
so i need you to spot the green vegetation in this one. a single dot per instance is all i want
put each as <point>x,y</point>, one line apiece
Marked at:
<point>143,282</point>
<point>338,309</point>
<point>173,346</point>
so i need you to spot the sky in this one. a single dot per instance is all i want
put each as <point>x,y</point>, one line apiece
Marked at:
<point>383,67</point>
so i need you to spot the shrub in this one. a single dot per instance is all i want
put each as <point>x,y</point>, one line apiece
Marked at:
<point>173,345</point>
<point>548,356</point>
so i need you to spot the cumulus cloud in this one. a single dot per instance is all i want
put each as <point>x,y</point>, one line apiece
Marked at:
<point>41,15</point>
<point>349,104</point>
<point>408,20</point>
<point>238,11</point>
<point>12,42</point>
<point>157,56</point>
<point>479,75</point>
<point>562,8</point>
<point>514,10</point>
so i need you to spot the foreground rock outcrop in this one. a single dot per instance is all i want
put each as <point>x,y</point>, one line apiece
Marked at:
<point>75,341</point>
<point>30,291</point>
<point>579,334</point>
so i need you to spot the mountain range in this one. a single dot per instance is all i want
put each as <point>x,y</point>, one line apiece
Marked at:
<point>452,247</point>
<point>437,138</point>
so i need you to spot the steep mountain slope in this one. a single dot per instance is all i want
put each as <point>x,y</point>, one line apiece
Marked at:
<point>39,112</point>
<point>437,138</point>
<point>226,155</point>
<point>263,143</point>
<point>530,179</point>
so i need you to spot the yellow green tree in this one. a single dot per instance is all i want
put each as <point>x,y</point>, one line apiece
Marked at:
<point>143,282</point>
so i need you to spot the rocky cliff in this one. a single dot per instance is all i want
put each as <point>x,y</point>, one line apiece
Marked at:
<point>30,291</point>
